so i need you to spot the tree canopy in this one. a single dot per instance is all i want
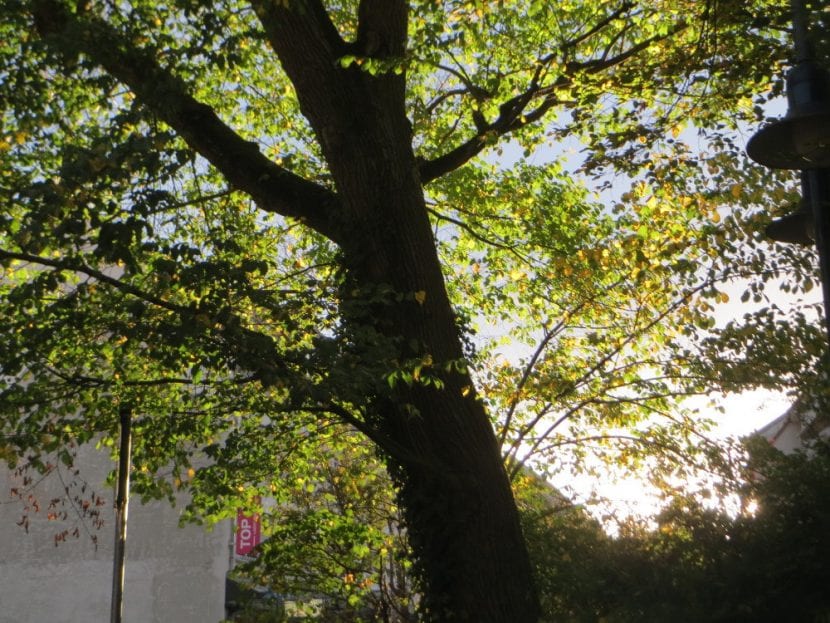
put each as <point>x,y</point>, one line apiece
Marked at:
<point>469,230</point>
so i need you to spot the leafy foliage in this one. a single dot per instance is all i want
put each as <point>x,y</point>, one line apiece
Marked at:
<point>195,208</point>
<point>698,564</point>
<point>334,531</point>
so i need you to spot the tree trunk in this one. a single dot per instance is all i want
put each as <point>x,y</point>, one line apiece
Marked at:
<point>461,517</point>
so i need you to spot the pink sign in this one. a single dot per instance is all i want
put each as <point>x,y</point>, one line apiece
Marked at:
<point>247,533</point>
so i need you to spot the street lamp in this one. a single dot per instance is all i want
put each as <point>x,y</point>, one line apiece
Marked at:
<point>802,141</point>
<point>798,226</point>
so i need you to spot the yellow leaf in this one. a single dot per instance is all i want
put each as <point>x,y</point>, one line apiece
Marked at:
<point>421,296</point>
<point>736,190</point>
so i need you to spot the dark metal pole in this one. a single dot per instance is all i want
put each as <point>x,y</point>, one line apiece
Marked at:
<point>122,498</point>
<point>801,31</point>
<point>818,181</point>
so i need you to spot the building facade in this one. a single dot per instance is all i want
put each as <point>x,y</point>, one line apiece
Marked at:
<point>795,428</point>
<point>56,552</point>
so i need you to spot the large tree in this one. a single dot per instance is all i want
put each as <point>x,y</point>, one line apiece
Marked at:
<point>247,220</point>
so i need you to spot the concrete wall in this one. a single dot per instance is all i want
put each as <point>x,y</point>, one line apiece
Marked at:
<point>173,575</point>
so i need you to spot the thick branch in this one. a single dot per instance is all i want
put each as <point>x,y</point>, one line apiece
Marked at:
<point>274,188</point>
<point>307,18</point>
<point>512,115</point>
<point>310,50</point>
<point>381,28</point>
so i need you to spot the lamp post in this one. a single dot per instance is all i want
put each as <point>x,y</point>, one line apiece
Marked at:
<point>122,498</point>
<point>801,141</point>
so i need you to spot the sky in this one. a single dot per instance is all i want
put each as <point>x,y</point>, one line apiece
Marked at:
<point>735,415</point>
<point>617,498</point>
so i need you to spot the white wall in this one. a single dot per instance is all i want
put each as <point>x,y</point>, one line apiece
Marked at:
<point>173,575</point>
<point>793,430</point>
<point>784,433</point>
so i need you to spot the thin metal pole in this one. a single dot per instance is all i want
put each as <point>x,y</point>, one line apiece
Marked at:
<point>122,498</point>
